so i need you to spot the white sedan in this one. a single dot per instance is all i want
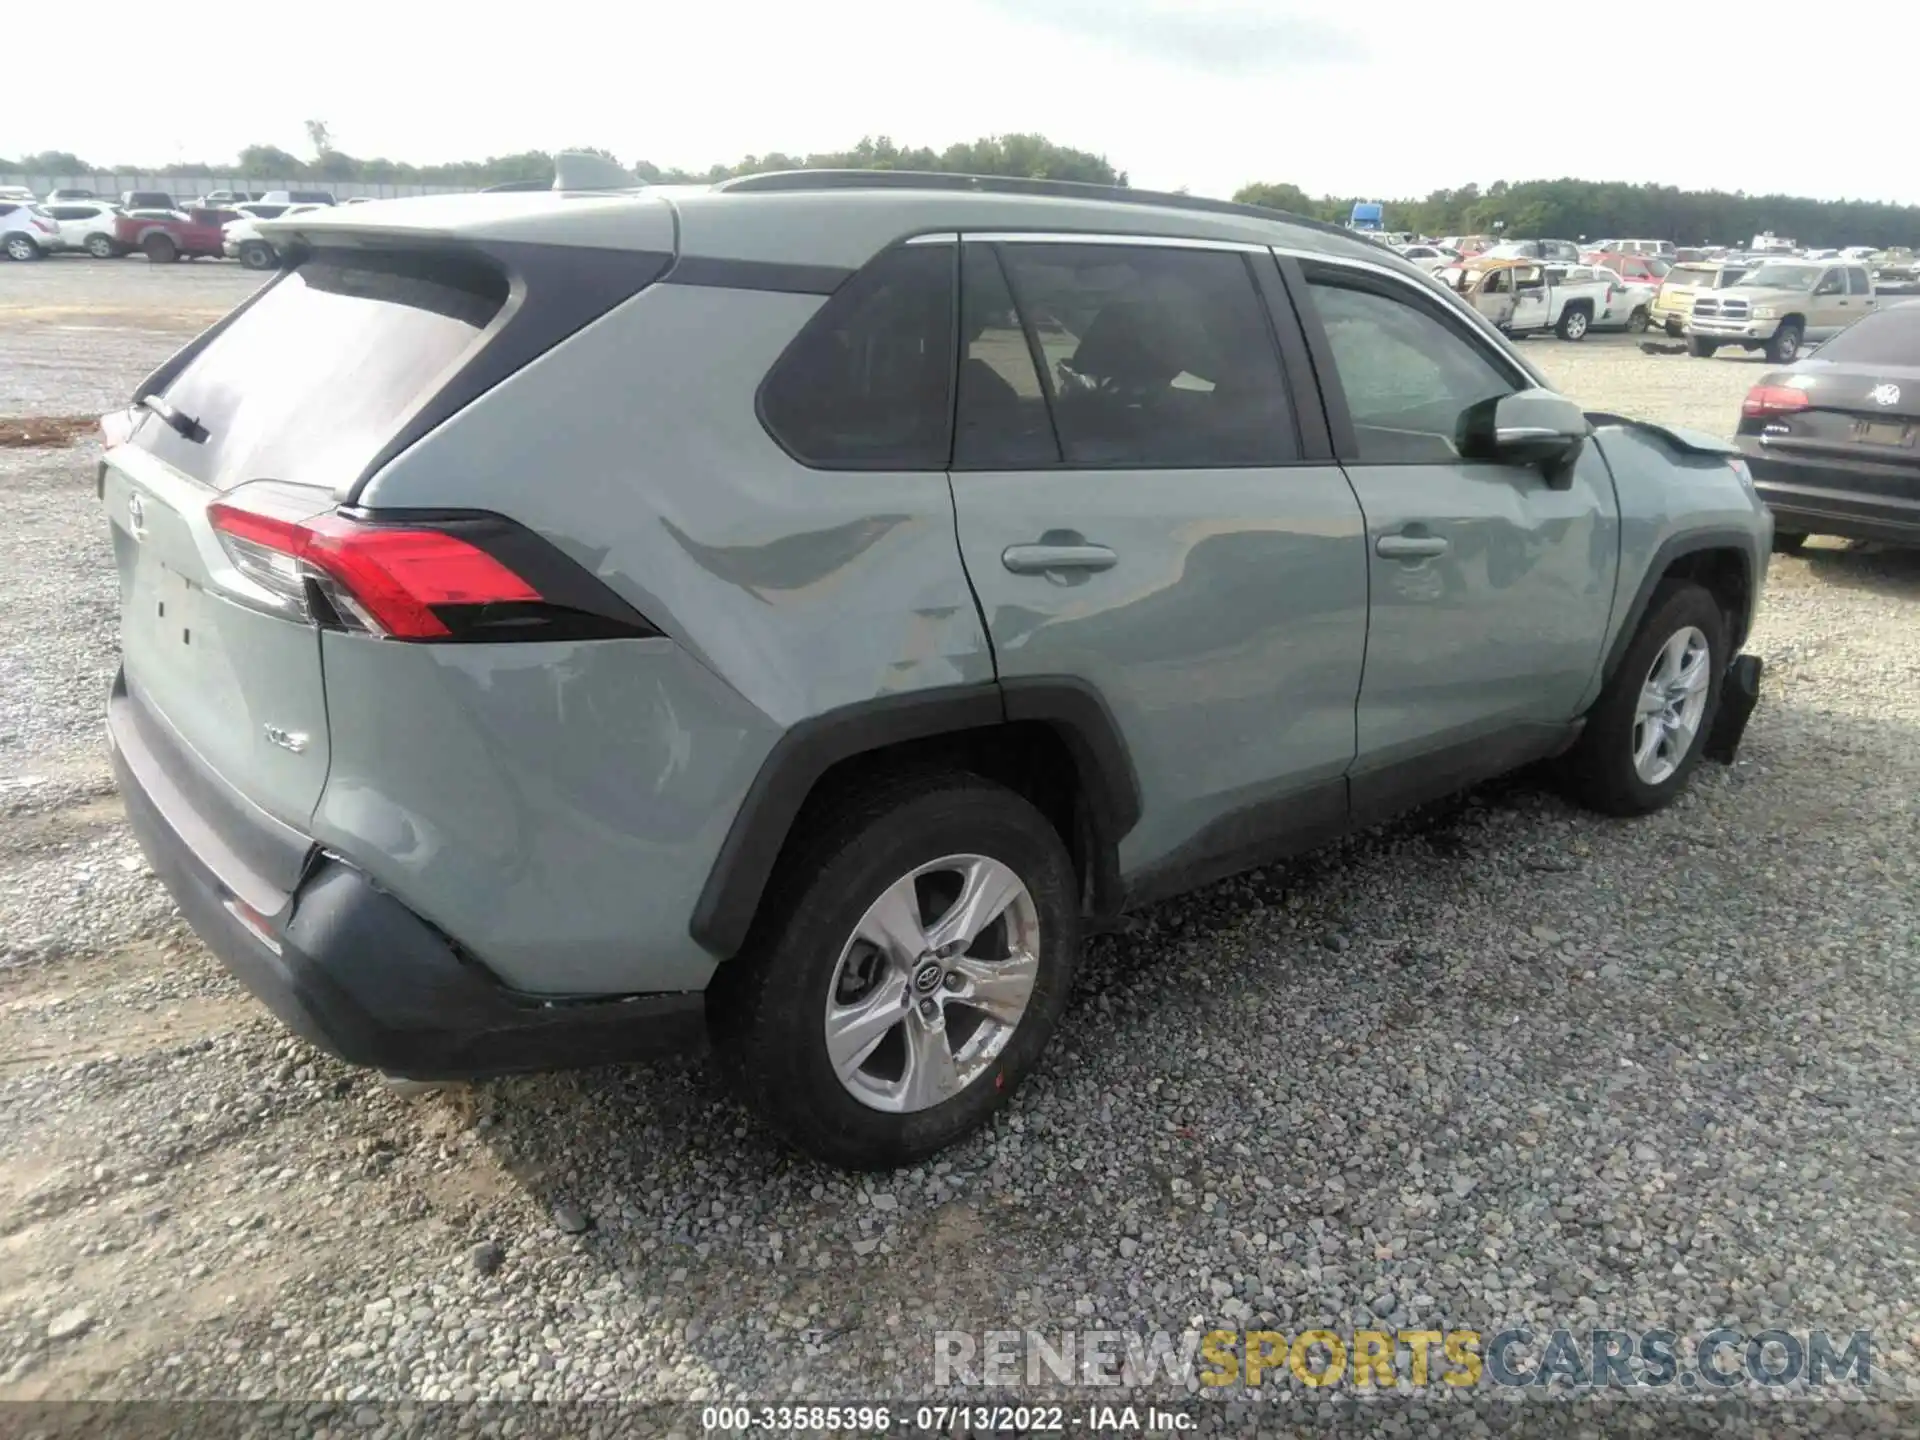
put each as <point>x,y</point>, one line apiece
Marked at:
<point>1430,258</point>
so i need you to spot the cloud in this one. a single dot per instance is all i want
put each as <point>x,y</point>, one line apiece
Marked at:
<point>1229,40</point>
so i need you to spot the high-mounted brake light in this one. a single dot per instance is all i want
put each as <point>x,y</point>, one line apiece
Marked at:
<point>384,579</point>
<point>1764,400</point>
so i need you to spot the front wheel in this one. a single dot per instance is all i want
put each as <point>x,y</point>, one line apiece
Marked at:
<point>1644,735</point>
<point>256,255</point>
<point>101,247</point>
<point>1785,344</point>
<point>1637,322</point>
<point>1702,349</point>
<point>1573,325</point>
<point>907,966</point>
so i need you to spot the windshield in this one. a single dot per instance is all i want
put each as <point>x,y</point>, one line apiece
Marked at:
<point>1774,276</point>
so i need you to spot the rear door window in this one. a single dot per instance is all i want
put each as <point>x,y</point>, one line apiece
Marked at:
<point>1857,281</point>
<point>1004,414</point>
<point>1154,356</point>
<point>312,379</point>
<point>868,383</point>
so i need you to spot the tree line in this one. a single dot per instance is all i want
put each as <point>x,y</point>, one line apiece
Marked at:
<point>1565,208</point>
<point>1031,156</point>
<point>1572,209</point>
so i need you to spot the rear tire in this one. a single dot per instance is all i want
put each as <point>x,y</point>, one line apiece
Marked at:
<point>1784,347</point>
<point>904,1083</point>
<point>1573,324</point>
<point>160,249</point>
<point>1701,349</point>
<point>1644,735</point>
<point>22,247</point>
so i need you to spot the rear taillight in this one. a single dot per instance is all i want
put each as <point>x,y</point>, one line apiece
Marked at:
<point>1764,400</point>
<point>407,581</point>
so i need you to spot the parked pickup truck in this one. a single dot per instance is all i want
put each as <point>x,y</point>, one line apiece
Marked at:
<point>167,235</point>
<point>1522,297</point>
<point>1778,305</point>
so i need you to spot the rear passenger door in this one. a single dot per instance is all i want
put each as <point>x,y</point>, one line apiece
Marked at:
<point>1491,583</point>
<point>1147,504</point>
<point>1831,310</point>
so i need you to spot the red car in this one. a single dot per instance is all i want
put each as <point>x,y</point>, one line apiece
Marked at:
<point>1637,269</point>
<point>167,235</point>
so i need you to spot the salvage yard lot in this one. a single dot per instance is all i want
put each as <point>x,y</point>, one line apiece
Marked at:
<point>1501,1063</point>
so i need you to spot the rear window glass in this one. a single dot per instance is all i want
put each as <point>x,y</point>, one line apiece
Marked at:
<point>1690,275</point>
<point>1887,337</point>
<point>323,368</point>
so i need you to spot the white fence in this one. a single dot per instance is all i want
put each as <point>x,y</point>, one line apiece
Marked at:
<point>189,187</point>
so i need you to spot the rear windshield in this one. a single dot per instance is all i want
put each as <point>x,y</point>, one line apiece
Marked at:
<point>1887,337</point>
<point>323,368</point>
<point>1690,275</point>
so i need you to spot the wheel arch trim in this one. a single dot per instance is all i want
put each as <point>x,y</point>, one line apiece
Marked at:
<point>734,886</point>
<point>1675,548</point>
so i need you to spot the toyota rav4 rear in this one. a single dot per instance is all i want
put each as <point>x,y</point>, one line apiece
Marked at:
<point>327,705</point>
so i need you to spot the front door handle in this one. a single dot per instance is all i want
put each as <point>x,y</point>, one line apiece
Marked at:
<point>1039,559</point>
<point>1409,547</point>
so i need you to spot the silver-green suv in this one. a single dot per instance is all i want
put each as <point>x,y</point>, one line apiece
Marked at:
<point>562,626</point>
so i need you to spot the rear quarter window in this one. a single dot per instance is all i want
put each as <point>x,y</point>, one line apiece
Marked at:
<point>867,384</point>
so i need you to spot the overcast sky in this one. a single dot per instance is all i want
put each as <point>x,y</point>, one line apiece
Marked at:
<point>1386,98</point>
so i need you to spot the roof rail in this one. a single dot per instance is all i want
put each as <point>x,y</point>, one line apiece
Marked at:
<point>786,180</point>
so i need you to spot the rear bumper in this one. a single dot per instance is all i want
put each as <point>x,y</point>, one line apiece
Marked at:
<point>1858,500</point>
<point>349,968</point>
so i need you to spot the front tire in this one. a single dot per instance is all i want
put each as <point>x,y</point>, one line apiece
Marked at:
<point>1701,349</point>
<point>907,966</point>
<point>101,247</point>
<point>1784,347</point>
<point>256,255</point>
<point>1573,325</point>
<point>1637,322</point>
<point>1644,735</point>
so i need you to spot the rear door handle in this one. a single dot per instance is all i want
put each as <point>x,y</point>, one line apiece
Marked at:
<point>1039,559</point>
<point>1409,547</point>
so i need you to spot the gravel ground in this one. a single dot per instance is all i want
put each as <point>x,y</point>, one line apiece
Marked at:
<point>1501,1063</point>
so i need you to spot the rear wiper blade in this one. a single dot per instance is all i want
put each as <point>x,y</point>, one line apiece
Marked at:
<point>182,424</point>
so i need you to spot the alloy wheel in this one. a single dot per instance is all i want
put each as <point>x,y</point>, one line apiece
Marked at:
<point>932,983</point>
<point>1672,701</point>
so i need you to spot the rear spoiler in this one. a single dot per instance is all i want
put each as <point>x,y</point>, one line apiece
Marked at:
<point>1688,442</point>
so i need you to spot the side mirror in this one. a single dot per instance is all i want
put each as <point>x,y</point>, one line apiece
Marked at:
<point>1530,427</point>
